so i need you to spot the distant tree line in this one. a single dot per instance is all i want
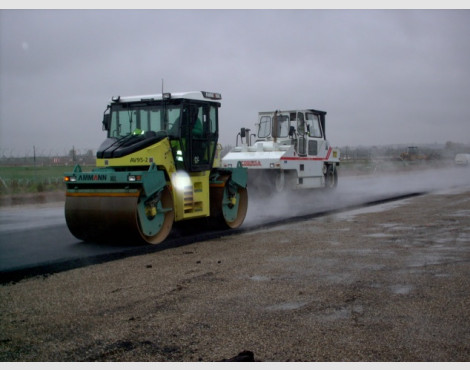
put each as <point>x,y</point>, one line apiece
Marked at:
<point>390,152</point>
<point>447,150</point>
<point>85,157</point>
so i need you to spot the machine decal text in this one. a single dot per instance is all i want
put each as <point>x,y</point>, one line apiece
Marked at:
<point>251,163</point>
<point>91,177</point>
<point>139,160</point>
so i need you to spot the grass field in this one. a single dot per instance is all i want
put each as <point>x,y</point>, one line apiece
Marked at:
<point>29,179</point>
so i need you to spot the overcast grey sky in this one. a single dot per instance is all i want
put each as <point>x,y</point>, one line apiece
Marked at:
<point>383,76</point>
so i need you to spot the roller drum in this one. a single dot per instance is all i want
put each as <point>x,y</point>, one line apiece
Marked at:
<point>228,208</point>
<point>119,218</point>
<point>103,218</point>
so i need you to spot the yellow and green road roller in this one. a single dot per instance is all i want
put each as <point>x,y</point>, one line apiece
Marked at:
<point>158,165</point>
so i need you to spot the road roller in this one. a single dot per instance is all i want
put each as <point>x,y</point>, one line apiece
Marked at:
<point>159,164</point>
<point>289,151</point>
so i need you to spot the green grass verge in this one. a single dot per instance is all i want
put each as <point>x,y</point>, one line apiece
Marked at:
<point>30,179</point>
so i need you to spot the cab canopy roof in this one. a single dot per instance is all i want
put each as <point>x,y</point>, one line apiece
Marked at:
<point>193,95</point>
<point>316,111</point>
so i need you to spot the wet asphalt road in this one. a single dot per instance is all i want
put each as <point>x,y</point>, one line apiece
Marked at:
<point>36,237</point>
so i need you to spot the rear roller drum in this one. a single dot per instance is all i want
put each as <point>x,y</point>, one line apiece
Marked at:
<point>229,205</point>
<point>155,216</point>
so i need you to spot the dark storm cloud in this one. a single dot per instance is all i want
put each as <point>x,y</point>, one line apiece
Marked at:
<point>384,76</point>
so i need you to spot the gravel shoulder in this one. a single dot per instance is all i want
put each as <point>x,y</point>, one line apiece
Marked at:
<point>388,284</point>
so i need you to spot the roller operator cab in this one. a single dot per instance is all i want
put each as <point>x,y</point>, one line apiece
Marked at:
<point>289,151</point>
<point>159,164</point>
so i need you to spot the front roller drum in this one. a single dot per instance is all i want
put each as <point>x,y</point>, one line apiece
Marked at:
<point>229,205</point>
<point>119,218</point>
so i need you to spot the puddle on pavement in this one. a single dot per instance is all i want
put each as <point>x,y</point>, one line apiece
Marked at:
<point>401,289</point>
<point>461,213</point>
<point>260,278</point>
<point>286,306</point>
<point>379,235</point>
<point>341,313</point>
<point>349,215</point>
